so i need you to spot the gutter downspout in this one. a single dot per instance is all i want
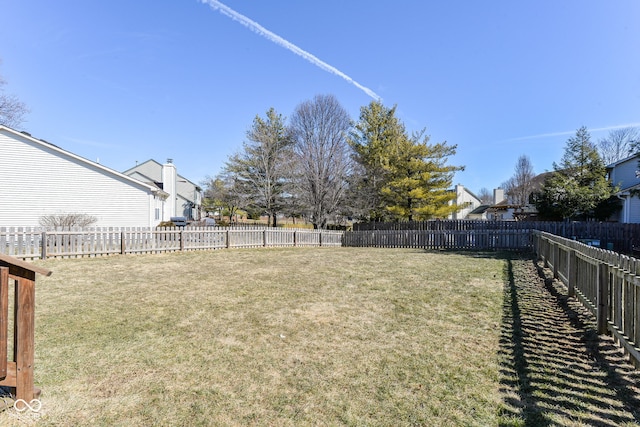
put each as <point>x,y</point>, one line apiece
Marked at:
<point>625,197</point>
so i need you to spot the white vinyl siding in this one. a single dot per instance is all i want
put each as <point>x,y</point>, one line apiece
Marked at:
<point>38,179</point>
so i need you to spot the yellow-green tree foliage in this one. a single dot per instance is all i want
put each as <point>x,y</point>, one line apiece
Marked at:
<point>419,180</point>
<point>402,177</point>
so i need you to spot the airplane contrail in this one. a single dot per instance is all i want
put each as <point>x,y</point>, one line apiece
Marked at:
<point>261,31</point>
<point>571,132</point>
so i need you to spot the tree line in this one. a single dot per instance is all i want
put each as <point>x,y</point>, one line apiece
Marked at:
<point>578,187</point>
<point>323,166</point>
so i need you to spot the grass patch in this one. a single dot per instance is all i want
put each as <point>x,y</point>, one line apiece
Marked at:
<point>287,337</point>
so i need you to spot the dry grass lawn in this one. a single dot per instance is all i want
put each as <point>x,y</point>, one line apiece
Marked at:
<point>344,336</point>
<point>281,337</point>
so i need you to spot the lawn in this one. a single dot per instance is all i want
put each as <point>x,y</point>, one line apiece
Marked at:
<point>282,337</point>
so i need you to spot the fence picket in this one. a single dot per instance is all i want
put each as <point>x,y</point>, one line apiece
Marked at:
<point>606,283</point>
<point>35,242</point>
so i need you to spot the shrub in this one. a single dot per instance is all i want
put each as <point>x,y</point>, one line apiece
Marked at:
<point>67,220</point>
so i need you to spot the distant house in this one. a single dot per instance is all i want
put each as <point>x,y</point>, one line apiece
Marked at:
<point>501,209</point>
<point>41,179</point>
<point>479,213</point>
<point>473,208</point>
<point>465,200</point>
<point>625,174</point>
<point>186,195</point>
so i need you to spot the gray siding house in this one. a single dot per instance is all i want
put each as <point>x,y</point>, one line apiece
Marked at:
<point>186,196</point>
<point>626,175</point>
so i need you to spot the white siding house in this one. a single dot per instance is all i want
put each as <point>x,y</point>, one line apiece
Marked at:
<point>186,194</point>
<point>626,176</point>
<point>466,201</point>
<point>39,179</point>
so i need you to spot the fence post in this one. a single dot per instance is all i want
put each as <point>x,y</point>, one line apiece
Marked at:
<point>228,239</point>
<point>320,238</point>
<point>556,260</point>
<point>602,297</point>
<point>295,238</point>
<point>4,318</point>
<point>572,272</point>
<point>43,251</point>
<point>123,245</point>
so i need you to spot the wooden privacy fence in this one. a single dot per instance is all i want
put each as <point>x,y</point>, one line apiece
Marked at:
<point>481,240</point>
<point>623,238</point>
<point>18,373</point>
<point>605,282</point>
<point>32,243</point>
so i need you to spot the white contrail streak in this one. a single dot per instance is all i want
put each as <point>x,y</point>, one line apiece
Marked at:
<point>261,31</point>
<point>571,132</point>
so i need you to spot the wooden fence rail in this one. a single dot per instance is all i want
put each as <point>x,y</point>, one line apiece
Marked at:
<point>605,282</point>
<point>481,240</point>
<point>33,243</point>
<point>623,238</point>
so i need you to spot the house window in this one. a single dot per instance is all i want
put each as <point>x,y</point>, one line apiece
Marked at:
<point>157,214</point>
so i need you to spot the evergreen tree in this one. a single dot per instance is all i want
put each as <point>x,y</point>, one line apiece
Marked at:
<point>401,177</point>
<point>578,187</point>
<point>260,171</point>
<point>418,180</point>
<point>374,138</point>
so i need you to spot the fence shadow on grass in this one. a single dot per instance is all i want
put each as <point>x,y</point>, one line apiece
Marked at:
<point>554,368</point>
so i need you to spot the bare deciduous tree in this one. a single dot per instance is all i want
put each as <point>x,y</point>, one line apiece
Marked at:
<point>518,188</point>
<point>619,144</point>
<point>12,110</point>
<point>485,196</point>
<point>319,128</point>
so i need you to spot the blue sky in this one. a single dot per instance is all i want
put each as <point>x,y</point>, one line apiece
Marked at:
<point>124,81</point>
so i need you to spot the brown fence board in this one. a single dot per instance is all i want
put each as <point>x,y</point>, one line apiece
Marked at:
<point>605,282</point>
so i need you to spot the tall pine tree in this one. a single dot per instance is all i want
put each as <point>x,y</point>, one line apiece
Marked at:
<point>419,180</point>
<point>578,187</point>
<point>374,138</point>
<point>403,178</point>
<point>260,170</point>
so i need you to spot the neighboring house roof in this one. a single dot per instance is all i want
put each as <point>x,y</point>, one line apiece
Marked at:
<point>479,210</point>
<point>538,181</point>
<point>186,196</point>
<point>41,180</point>
<point>626,159</point>
<point>151,172</point>
<point>80,159</point>
<point>627,189</point>
<point>471,193</point>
